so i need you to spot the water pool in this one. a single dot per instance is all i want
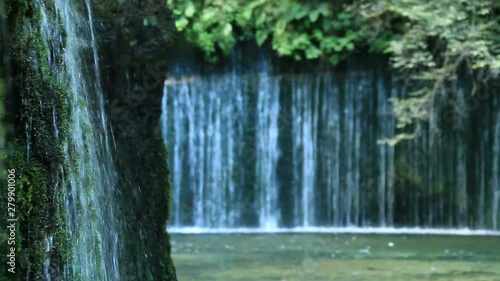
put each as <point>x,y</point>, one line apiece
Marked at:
<point>342,257</point>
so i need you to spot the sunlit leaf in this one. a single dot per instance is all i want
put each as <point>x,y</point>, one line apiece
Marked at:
<point>228,28</point>
<point>190,10</point>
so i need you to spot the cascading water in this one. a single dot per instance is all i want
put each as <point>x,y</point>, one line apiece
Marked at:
<point>271,151</point>
<point>496,173</point>
<point>211,130</point>
<point>304,114</point>
<point>89,198</point>
<point>267,151</point>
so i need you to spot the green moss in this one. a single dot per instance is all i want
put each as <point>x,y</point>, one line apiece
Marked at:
<point>32,198</point>
<point>41,169</point>
<point>52,159</point>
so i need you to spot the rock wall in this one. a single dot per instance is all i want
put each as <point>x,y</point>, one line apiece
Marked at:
<point>132,38</point>
<point>32,151</point>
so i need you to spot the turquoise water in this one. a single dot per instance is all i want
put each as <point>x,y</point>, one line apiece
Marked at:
<point>335,257</point>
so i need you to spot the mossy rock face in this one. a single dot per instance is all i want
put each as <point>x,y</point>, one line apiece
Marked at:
<point>37,153</point>
<point>34,150</point>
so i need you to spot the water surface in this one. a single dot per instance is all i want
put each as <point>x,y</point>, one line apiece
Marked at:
<point>225,257</point>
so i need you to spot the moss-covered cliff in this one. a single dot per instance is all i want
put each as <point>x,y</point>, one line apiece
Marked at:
<point>33,150</point>
<point>36,151</point>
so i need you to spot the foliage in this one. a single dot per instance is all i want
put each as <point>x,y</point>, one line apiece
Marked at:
<point>438,38</point>
<point>302,30</point>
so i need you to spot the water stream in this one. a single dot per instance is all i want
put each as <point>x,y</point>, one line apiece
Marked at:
<point>89,198</point>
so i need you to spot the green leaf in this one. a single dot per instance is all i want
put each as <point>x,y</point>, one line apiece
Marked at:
<point>177,12</point>
<point>283,47</point>
<point>325,9</point>
<point>300,14</point>
<point>261,36</point>
<point>344,16</point>
<point>190,10</point>
<point>302,39</point>
<point>261,19</point>
<point>181,23</point>
<point>338,47</point>
<point>313,52</point>
<point>247,13</point>
<point>228,28</point>
<point>280,27</point>
<point>314,15</point>
<point>256,3</point>
<point>334,59</point>
<point>317,34</point>
<point>209,14</point>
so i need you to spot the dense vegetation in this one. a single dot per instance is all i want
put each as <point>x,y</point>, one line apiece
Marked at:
<point>427,41</point>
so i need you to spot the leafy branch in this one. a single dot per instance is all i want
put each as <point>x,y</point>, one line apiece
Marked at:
<point>293,28</point>
<point>437,38</point>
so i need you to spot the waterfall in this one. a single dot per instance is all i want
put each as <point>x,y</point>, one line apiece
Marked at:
<point>89,198</point>
<point>495,183</point>
<point>266,150</point>
<point>305,115</point>
<point>208,134</point>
